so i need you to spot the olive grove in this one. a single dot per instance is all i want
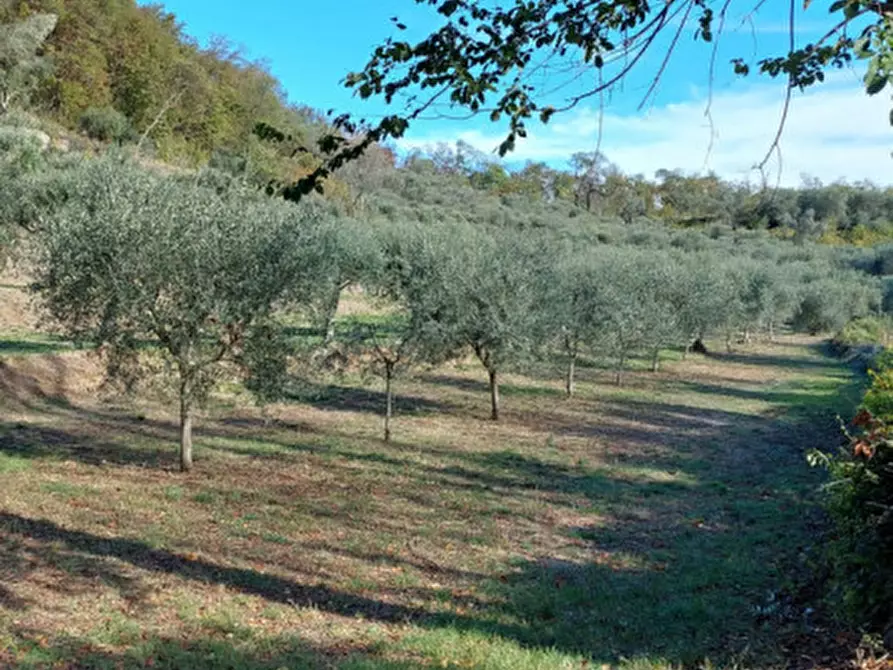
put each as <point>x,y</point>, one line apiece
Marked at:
<point>206,271</point>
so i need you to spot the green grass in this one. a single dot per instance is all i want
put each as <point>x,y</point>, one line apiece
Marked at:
<point>636,527</point>
<point>173,492</point>
<point>12,464</point>
<point>23,344</point>
<point>68,490</point>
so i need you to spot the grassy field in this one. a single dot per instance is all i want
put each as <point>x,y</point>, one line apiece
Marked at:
<point>660,524</point>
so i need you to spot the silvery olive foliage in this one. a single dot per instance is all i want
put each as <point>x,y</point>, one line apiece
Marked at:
<point>137,258</point>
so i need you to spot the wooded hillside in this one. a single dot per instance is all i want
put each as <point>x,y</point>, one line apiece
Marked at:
<point>115,55</point>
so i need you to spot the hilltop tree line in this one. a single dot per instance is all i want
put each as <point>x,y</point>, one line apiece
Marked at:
<point>837,213</point>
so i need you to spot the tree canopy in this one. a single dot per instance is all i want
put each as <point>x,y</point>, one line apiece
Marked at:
<point>137,258</point>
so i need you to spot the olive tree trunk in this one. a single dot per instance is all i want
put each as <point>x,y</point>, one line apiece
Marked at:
<point>185,428</point>
<point>494,396</point>
<point>570,381</point>
<point>331,310</point>
<point>618,373</point>
<point>389,402</point>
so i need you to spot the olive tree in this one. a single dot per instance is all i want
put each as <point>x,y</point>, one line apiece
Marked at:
<point>628,296</point>
<point>344,253</point>
<point>660,293</point>
<point>469,290</point>
<point>36,182</point>
<point>828,298</point>
<point>732,286</point>
<point>709,289</point>
<point>137,258</point>
<point>575,305</point>
<point>394,341</point>
<point>768,292</point>
<point>20,161</point>
<point>613,300</point>
<point>392,347</point>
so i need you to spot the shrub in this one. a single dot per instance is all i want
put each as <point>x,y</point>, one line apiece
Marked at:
<point>17,118</point>
<point>106,124</point>
<point>865,330</point>
<point>829,302</point>
<point>859,498</point>
<point>879,397</point>
<point>17,141</point>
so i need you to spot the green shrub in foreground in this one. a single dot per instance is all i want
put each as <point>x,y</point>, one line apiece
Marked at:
<point>865,330</point>
<point>859,498</point>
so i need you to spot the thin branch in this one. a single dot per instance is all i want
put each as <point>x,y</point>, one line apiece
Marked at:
<point>601,115</point>
<point>776,142</point>
<point>663,65</point>
<point>749,16</point>
<point>708,111</point>
<point>575,100</point>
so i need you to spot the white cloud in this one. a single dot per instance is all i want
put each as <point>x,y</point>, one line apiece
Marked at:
<point>833,131</point>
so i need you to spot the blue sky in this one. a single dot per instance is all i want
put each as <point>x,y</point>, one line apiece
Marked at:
<point>310,46</point>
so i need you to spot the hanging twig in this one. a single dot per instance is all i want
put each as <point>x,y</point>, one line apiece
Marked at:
<point>708,111</point>
<point>775,147</point>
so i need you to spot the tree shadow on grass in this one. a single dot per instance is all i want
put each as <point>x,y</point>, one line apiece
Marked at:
<point>805,399</point>
<point>273,588</point>
<point>12,346</point>
<point>659,585</point>
<point>512,472</point>
<point>242,649</point>
<point>357,399</point>
<point>676,597</point>
<point>775,361</point>
<point>459,383</point>
<point>24,440</point>
<point>20,559</point>
<point>602,612</point>
<point>250,582</point>
<point>9,600</point>
<point>482,387</point>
